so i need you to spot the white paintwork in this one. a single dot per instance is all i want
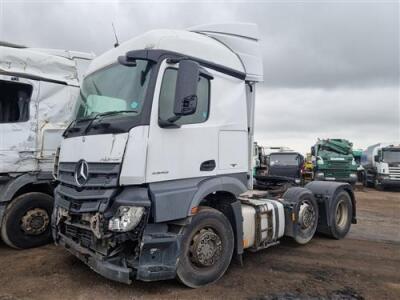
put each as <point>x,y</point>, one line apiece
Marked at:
<point>241,38</point>
<point>249,217</point>
<point>182,41</point>
<point>134,166</point>
<point>177,153</point>
<point>31,145</point>
<point>106,148</point>
<point>232,146</point>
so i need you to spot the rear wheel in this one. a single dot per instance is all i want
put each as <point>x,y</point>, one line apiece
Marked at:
<point>307,219</point>
<point>340,216</point>
<point>26,221</point>
<point>207,248</point>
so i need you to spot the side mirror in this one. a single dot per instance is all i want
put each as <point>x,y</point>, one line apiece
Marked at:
<point>312,151</point>
<point>376,158</point>
<point>186,88</point>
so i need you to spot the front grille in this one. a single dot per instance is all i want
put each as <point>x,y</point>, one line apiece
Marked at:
<point>95,194</point>
<point>101,175</point>
<point>394,173</point>
<point>79,235</point>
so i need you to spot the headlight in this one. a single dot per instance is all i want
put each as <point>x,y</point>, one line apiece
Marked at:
<point>353,175</point>
<point>320,175</point>
<point>126,218</point>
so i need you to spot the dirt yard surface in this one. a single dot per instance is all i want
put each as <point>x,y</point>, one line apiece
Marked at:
<point>365,265</point>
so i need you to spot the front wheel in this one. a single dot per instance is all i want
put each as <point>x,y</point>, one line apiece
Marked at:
<point>206,248</point>
<point>341,215</point>
<point>26,221</point>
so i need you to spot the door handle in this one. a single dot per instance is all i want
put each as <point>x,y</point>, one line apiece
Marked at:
<point>207,165</point>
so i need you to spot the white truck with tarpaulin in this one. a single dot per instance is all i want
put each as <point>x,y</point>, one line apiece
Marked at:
<point>38,91</point>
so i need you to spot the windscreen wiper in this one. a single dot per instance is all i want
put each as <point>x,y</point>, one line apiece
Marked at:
<point>115,112</point>
<point>107,113</point>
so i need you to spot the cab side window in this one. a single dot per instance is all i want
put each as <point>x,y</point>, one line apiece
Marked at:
<point>167,98</point>
<point>14,101</point>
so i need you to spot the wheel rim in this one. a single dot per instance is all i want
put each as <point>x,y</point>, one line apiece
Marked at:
<point>306,215</point>
<point>35,221</point>
<point>205,248</point>
<point>341,214</point>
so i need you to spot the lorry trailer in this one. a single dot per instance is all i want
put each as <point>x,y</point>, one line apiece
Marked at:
<point>38,88</point>
<point>156,170</point>
<point>381,166</point>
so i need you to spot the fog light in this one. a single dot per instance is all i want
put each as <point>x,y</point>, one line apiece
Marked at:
<point>126,218</point>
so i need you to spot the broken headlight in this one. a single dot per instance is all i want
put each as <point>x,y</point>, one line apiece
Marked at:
<point>126,218</point>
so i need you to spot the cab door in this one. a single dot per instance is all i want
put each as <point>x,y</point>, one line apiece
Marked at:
<point>188,148</point>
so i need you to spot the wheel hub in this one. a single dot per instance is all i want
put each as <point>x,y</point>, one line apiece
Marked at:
<point>341,214</point>
<point>206,248</point>
<point>306,216</point>
<point>35,221</point>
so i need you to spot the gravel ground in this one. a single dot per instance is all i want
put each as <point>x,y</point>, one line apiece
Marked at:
<point>365,265</point>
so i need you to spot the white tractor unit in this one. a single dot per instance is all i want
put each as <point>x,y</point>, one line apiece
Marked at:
<point>156,170</point>
<point>38,89</point>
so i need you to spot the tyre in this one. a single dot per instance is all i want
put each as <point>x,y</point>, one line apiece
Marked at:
<point>206,248</point>
<point>307,219</point>
<point>378,186</point>
<point>367,183</point>
<point>26,221</point>
<point>340,216</point>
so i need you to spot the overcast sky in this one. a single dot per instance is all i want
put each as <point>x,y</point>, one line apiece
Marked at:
<point>330,69</point>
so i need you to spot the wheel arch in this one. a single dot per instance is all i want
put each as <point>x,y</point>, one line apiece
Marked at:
<point>324,192</point>
<point>24,184</point>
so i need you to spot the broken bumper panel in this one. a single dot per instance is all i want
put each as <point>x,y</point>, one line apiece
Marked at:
<point>100,266</point>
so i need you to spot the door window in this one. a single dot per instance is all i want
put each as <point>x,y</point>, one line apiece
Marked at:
<point>167,98</point>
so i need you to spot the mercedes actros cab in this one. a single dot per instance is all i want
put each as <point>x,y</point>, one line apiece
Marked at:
<point>156,170</point>
<point>38,89</point>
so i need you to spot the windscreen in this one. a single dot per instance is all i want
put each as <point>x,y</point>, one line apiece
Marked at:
<point>284,160</point>
<point>117,88</point>
<point>391,156</point>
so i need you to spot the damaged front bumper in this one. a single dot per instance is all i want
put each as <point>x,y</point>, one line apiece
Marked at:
<point>148,252</point>
<point>97,263</point>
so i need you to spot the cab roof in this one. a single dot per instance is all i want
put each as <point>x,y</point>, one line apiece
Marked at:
<point>199,42</point>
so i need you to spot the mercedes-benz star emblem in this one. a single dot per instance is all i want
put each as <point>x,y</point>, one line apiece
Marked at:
<point>81,172</point>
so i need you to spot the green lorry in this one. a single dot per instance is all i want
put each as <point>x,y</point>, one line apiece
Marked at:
<point>334,161</point>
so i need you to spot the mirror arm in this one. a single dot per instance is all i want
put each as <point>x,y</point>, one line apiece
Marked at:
<point>167,124</point>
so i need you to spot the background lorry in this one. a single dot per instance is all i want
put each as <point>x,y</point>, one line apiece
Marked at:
<point>38,89</point>
<point>381,164</point>
<point>333,160</point>
<point>286,164</point>
<point>283,170</point>
<point>156,171</point>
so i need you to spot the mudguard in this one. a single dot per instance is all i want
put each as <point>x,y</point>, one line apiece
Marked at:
<point>324,192</point>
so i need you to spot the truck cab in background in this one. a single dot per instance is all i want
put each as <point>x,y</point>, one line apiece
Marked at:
<point>381,164</point>
<point>38,90</point>
<point>155,173</point>
<point>286,164</point>
<point>333,161</point>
